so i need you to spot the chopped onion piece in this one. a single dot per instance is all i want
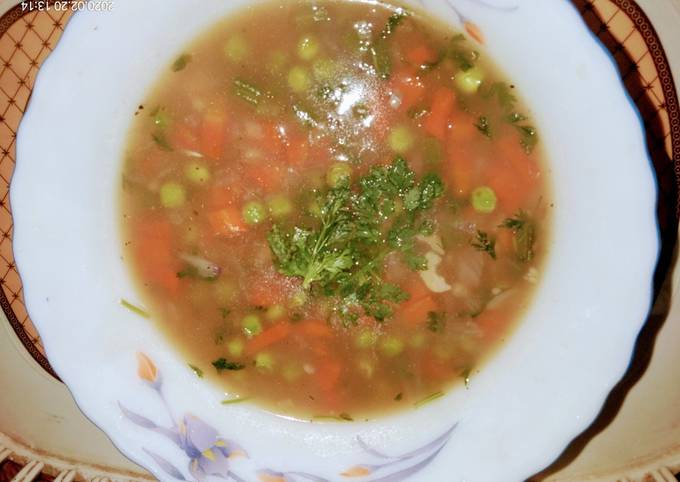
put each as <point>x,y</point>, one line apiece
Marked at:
<point>433,280</point>
<point>190,153</point>
<point>434,241</point>
<point>204,268</point>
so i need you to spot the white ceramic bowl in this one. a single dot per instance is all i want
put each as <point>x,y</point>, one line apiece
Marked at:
<point>542,388</point>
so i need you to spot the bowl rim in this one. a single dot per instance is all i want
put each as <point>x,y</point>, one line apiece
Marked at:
<point>21,204</point>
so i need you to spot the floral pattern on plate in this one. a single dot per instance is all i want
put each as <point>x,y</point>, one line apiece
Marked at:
<point>210,455</point>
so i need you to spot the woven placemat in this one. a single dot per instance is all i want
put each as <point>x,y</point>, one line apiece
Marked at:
<point>27,38</point>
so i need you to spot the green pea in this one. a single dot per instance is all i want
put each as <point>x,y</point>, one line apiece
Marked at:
<point>298,79</point>
<point>400,139</point>
<point>236,49</point>
<point>483,200</point>
<point>391,346</point>
<point>338,174</point>
<point>235,347</point>
<point>275,312</point>
<point>197,173</point>
<point>251,325</point>
<point>366,339</point>
<point>264,361</point>
<point>172,195</point>
<point>279,206</point>
<point>470,80</point>
<point>308,47</point>
<point>253,212</point>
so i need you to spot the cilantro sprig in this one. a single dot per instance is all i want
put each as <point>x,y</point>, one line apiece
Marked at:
<point>342,256</point>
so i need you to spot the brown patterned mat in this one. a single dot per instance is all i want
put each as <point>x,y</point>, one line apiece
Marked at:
<point>27,38</point>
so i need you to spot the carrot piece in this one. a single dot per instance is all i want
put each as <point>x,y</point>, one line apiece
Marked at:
<point>436,123</point>
<point>421,55</point>
<point>415,311</point>
<point>154,252</point>
<point>269,336</point>
<point>213,134</point>
<point>266,177</point>
<point>226,222</point>
<point>512,175</point>
<point>314,329</point>
<point>328,373</point>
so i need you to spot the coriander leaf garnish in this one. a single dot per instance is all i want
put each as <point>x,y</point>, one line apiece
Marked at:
<point>528,137</point>
<point>485,244</point>
<point>503,92</point>
<point>316,255</point>
<point>524,231</point>
<point>379,49</point>
<point>516,222</point>
<point>436,321</point>
<point>358,226</point>
<point>161,141</point>
<point>222,364</point>
<point>463,57</point>
<point>231,401</point>
<point>484,126</point>
<point>465,375</point>
<point>428,399</point>
<point>393,22</point>
<point>181,62</point>
<point>134,308</point>
<point>196,370</point>
<point>515,117</point>
<point>507,100</point>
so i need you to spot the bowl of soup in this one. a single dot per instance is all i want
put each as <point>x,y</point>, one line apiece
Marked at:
<point>287,241</point>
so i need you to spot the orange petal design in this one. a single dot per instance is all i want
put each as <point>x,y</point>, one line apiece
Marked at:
<point>356,471</point>
<point>146,368</point>
<point>270,478</point>
<point>237,454</point>
<point>474,31</point>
